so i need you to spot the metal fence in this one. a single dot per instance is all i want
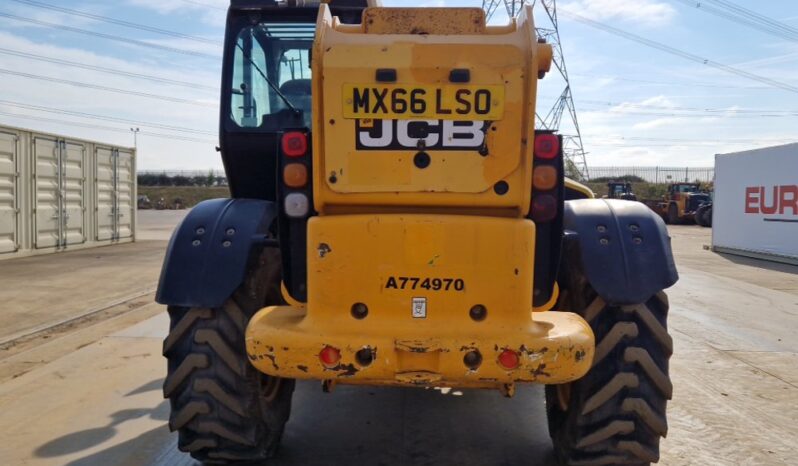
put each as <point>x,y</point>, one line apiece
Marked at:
<point>653,174</point>
<point>650,174</point>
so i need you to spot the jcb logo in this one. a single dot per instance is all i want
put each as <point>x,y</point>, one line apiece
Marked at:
<point>420,134</point>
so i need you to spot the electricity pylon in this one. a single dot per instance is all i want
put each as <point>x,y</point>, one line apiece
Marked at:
<point>576,165</point>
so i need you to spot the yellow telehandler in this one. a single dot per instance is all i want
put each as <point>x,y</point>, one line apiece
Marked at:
<point>396,219</point>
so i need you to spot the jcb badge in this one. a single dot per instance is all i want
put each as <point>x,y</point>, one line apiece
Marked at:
<point>420,134</point>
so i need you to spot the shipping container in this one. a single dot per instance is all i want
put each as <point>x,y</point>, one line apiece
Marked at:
<point>59,193</point>
<point>755,209</point>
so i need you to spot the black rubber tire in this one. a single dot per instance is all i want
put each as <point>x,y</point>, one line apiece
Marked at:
<point>673,214</point>
<point>616,413</point>
<point>699,215</point>
<point>707,217</point>
<point>223,409</point>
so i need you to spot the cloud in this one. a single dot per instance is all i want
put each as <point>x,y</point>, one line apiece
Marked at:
<point>648,12</point>
<point>657,122</point>
<point>213,12</point>
<point>154,152</point>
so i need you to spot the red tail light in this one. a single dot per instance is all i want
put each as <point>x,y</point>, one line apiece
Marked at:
<point>295,144</point>
<point>547,174</point>
<point>509,359</point>
<point>547,146</point>
<point>544,207</point>
<point>329,356</point>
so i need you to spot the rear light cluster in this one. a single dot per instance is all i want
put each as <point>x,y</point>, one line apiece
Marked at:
<point>547,173</point>
<point>296,202</point>
<point>508,359</point>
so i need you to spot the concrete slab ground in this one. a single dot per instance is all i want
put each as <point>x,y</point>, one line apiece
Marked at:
<point>734,372</point>
<point>40,291</point>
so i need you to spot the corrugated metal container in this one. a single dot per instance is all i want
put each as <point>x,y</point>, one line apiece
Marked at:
<point>60,193</point>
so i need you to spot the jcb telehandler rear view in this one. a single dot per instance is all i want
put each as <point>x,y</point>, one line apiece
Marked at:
<point>396,220</point>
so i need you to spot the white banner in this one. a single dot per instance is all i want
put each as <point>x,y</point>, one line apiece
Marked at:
<point>756,201</point>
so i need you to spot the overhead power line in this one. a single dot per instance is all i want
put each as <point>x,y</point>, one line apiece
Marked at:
<point>106,88</point>
<point>692,109</point>
<point>729,141</point>
<point>679,53</point>
<point>126,40</point>
<point>103,69</point>
<point>95,116</point>
<point>753,19</point>
<point>746,19</point>
<point>106,128</point>
<point>693,115</point>
<point>673,83</point>
<point>119,22</point>
<point>759,17</point>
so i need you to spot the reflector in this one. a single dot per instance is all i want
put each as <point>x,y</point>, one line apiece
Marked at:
<point>296,205</point>
<point>508,359</point>
<point>547,146</point>
<point>295,144</point>
<point>544,177</point>
<point>295,175</point>
<point>329,356</point>
<point>544,207</point>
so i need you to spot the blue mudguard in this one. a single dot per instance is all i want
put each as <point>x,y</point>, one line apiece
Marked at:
<point>623,247</point>
<point>207,256</point>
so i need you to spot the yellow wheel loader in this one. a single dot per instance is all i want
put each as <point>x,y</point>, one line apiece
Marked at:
<point>396,220</point>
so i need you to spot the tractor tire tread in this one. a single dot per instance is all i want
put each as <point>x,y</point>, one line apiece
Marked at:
<point>215,394</point>
<point>616,413</point>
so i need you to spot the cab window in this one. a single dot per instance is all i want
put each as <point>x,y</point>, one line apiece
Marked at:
<point>271,76</point>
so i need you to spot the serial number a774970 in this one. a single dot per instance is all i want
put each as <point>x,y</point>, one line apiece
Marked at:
<point>425,283</point>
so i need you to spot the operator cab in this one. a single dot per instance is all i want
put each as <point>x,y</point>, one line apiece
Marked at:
<point>266,85</point>
<point>685,188</point>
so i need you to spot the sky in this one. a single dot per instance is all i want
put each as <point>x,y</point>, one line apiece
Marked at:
<point>636,105</point>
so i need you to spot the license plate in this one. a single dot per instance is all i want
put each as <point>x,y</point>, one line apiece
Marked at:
<point>404,102</point>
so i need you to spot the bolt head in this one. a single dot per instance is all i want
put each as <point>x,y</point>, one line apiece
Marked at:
<point>365,356</point>
<point>478,313</point>
<point>472,359</point>
<point>360,311</point>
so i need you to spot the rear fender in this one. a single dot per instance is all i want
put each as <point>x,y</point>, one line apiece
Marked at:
<point>623,247</point>
<point>207,256</point>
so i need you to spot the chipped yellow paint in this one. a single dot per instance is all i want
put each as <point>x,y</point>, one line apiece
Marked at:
<point>364,252</point>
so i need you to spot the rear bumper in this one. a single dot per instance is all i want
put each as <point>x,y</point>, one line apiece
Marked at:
<point>419,276</point>
<point>555,347</point>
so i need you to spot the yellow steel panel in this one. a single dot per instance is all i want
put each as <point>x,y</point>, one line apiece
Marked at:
<point>417,101</point>
<point>362,161</point>
<point>400,257</point>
